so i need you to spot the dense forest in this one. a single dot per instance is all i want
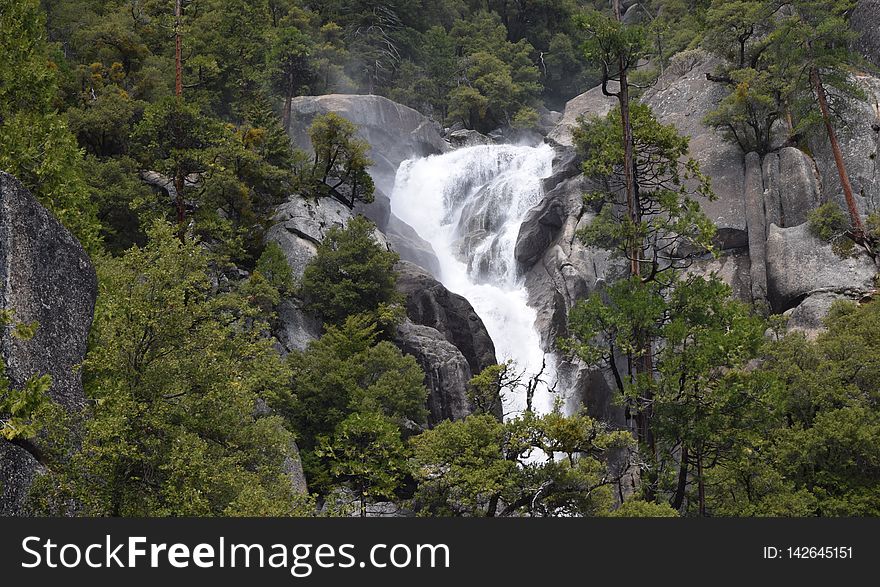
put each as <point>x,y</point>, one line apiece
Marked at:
<point>158,133</point>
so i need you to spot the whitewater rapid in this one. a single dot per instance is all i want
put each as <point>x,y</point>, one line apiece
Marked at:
<point>469,205</point>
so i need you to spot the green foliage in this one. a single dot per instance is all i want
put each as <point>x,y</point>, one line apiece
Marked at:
<point>615,47</point>
<point>700,337</point>
<point>637,508</point>
<point>21,409</point>
<point>347,371</point>
<point>340,165</point>
<point>351,274</point>
<point>35,143</point>
<point>676,26</point>
<point>668,182</point>
<point>367,454</point>
<point>748,114</point>
<point>774,52</point>
<point>232,177</point>
<point>174,374</point>
<point>273,265</point>
<point>828,221</point>
<point>811,446</point>
<point>484,389</point>
<point>482,467</point>
<point>343,373</point>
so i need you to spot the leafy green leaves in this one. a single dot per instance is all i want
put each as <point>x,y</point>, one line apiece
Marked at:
<point>351,274</point>
<point>21,409</point>
<point>533,465</point>
<point>175,374</point>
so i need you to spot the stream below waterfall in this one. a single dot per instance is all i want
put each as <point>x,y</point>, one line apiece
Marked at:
<point>469,205</point>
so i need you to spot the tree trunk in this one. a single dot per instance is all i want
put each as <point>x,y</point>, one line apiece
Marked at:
<point>678,499</point>
<point>286,115</point>
<point>628,158</point>
<point>855,217</point>
<point>645,364</point>
<point>178,59</point>
<point>701,485</point>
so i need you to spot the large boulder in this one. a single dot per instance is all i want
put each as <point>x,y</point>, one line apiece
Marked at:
<point>429,303</point>
<point>395,132</point>
<point>559,268</point>
<point>792,187</point>
<point>446,370</point>
<point>800,265</point>
<point>411,247</point>
<point>466,137</point>
<point>45,278</point>
<point>591,103</point>
<point>295,328</point>
<point>733,267</point>
<point>809,316</point>
<point>301,225</point>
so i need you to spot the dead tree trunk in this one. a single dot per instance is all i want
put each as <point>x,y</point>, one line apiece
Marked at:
<point>855,217</point>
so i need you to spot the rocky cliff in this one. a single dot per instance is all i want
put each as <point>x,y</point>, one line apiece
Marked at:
<point>767,253</point>
<point>45,278</point>
<point>395,133</point>
<point>441,331</point>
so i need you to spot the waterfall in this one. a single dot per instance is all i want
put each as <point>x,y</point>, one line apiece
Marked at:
<point>469,204</point>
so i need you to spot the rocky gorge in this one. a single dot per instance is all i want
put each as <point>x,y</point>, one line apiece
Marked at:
<point>766,252</point>
<point>512,206</point>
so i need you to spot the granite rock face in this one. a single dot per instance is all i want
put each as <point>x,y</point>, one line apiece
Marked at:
<point>808,317</point>
<point>865,19</point>
<point>683,96</point>
<point>800,265</point>
<point>592,102</point>
<point>429,303</point>
<point>395,133</point>
<point>446,370</point>
<point>45,278</point>
<point>302,224</point>
<point>767,254</point>
<point>859,140</point>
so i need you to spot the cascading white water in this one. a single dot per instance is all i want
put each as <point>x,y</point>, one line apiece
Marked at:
<point>469,204</point>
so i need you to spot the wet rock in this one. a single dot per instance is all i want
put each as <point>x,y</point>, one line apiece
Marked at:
<point>446,370</point>
<point>468,138</point>
<point>429,303</point>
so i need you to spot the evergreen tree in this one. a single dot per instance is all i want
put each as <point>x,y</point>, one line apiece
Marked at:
<point>816,38</point>
<point>351,274</point>
<point>482,467</point>
<point>627,316</point>
<point>339,168</point>
<point>174,375</point>
<point>36,145</point>
<point>366,454</point>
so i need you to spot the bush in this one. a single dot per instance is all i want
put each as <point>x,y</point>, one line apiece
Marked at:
<point>829,223</point>
<point>351,274</point>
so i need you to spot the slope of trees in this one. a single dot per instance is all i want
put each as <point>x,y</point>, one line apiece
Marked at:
<point>157,131</point>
